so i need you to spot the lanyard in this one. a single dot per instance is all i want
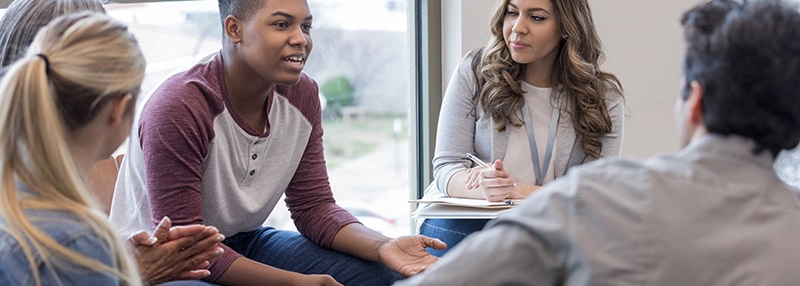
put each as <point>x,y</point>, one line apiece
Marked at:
<point>548,154</point>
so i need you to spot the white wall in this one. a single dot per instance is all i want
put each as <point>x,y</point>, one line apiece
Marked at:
<point>464,28</point>
<point>643,45</point>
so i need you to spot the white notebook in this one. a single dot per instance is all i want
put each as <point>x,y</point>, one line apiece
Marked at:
<point>475,203</point>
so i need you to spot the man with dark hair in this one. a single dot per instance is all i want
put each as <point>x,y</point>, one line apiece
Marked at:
<point>713,214</point>
<point>219,143</point>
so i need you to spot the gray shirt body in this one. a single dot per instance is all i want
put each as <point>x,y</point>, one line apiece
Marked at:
<point>713,214</point>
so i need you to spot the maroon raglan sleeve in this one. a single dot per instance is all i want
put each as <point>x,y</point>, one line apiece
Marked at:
<point>175,130</point>
<point>309,197</point>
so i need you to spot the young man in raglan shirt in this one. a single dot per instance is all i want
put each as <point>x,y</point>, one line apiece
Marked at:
<point>220,143</point>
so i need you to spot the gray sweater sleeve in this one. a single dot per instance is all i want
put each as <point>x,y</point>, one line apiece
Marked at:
<point>455,135</point>
<point>612,142</point>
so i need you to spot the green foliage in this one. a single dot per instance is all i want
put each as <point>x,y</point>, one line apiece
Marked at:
<point>338,92</point>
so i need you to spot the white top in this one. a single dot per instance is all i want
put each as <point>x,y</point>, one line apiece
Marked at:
<point>517,160</point>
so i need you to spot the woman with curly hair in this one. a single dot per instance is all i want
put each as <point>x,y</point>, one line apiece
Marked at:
<point>533,103</point>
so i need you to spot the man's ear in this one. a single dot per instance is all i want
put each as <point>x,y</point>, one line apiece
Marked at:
<point>233,29</point>
<point>119,108</point>
<point>695,103</point>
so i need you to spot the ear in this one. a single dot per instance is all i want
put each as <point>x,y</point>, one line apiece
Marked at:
<point>694,103</point>
<point>233,29</point>
<point>119,107</point>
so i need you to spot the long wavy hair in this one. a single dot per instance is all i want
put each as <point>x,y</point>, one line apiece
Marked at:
<point>74,66</point>
<point>576,76</point>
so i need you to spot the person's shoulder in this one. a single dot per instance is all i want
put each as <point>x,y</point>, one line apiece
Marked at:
<point>600,190</point>
<point>200,79</point>
<point>602,178</point>
<point>604,187</point>
<point>610,168</point>
<point>73,233</point>
<point>65,229</point>
<point>61,226</point>
<point>613,95</point>
<point>622,177</point>
<point>471,55</point>
<point>467,63</point>
<point>9,246</point>
<point>189,92</point>
<point>14,268</point>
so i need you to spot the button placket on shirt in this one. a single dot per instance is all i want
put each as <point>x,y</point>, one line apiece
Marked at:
<point>250,175</point>
<point>254,156</point>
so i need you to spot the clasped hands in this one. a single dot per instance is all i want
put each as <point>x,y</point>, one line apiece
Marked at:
<point>495,183</point>
<point>175,253</point>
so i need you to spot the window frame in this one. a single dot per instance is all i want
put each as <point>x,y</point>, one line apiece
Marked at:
<point>426,85</point>
<point>425,24</point>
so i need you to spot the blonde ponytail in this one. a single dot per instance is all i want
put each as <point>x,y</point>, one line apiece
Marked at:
<point>73,66</point>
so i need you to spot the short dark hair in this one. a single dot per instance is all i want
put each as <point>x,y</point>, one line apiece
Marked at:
<point>746,57</point>
<point>241,9</point>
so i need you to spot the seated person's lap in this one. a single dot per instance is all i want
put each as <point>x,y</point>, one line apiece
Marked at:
<point>291,251</point>
<point>451,231</point>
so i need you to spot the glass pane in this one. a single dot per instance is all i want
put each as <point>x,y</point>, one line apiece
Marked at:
<point>172,35</point>
<point>360,60</point>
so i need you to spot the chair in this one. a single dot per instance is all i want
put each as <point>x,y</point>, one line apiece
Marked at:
<point>102,179</point>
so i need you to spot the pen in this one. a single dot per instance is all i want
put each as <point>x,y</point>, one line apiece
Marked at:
<point>478,160</point>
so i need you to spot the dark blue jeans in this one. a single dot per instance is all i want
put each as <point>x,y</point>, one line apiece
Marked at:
<point>288,250</point>
<point>451,231</point>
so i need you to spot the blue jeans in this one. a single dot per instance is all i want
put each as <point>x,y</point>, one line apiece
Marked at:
<point>451,231</point>
<point>288,250</point>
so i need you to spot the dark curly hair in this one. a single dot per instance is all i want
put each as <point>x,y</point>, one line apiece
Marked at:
<point>746,57</point>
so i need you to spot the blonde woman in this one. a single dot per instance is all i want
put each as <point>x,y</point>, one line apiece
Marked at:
<point>532,103</point>
<point>169,253</point>
<point>64,105</point>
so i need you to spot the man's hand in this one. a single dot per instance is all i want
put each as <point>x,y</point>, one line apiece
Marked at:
<point>407,255</point>
<point>175,253</point>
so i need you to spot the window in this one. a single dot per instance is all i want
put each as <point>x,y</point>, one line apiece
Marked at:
<point>361,61</point>
<point>172,35</point>
<point>379,122</point>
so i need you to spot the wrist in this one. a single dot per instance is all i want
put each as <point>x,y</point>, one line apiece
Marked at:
<point>380,248</point>
<point>520,191</point>
<point>525,190</point>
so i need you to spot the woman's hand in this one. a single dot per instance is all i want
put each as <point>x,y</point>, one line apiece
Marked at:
<point>407,255</point>
<point>495,183</point>
<point>175,253</point>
